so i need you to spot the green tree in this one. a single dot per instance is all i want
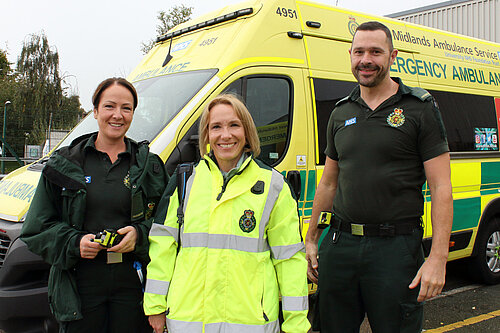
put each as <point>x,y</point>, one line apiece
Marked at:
<point>8,92</point>
<point>175,16</point>
<point>40,83</point>
<point>5,69</point>
<point>35,90</point>
<point>40,91</point>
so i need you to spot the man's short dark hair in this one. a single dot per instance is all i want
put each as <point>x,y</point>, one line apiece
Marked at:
<point>373,26</point>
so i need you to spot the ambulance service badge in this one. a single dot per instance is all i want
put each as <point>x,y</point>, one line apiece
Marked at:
<point>396,118</point>
<point>352,25</point>
<point>126,180</point>
<point>247,221</point>
<point>149,210</point>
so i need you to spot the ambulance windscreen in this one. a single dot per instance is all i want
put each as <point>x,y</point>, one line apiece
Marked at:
<point>160,99</point>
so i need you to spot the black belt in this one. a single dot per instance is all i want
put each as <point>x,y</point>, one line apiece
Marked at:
<point>400,227</point>
<point>102,256</point>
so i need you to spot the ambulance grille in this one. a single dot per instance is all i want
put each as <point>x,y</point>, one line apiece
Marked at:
<point>4,246</point>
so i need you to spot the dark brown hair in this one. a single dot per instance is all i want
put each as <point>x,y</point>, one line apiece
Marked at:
<point>373,26</point>
<point>96,98</point>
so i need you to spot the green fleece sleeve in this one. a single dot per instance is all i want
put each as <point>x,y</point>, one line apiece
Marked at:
<point>153,187</point>
<point>57,242</point>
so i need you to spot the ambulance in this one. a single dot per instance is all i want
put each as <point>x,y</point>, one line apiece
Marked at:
<point>289,62</point>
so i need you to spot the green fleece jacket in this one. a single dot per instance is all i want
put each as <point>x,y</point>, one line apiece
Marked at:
<point>54,223</point>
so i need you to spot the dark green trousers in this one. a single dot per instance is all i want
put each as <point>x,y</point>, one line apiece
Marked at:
<point>111,297</point>
<point>361,275</point>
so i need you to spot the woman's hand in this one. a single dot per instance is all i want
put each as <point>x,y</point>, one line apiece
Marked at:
<point>127,244</point>
<point>89,249</point>
<point>158,322</point>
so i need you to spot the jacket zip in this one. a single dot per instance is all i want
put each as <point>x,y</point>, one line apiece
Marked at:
<point>224,185</point>
<point>223,189</point>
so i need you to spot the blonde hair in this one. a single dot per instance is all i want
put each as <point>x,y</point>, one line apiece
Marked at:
<point>252,138</point>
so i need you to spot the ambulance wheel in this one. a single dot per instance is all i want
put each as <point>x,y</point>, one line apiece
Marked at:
<point>50,325</point>
<point>486,264</point>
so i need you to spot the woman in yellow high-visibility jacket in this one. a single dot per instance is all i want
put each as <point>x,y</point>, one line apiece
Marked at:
<point>240,245</point>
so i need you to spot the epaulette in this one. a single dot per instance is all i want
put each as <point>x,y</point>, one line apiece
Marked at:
<point>420,93</point>
<point>343,100</point>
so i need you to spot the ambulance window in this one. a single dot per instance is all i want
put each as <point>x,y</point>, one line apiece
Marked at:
<point>470,121</point>
<point>235,88</point>
<point>269,101</point>
<point>327,94</point>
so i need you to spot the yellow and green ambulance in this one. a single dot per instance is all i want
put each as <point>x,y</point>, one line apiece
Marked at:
<point>289,61</point>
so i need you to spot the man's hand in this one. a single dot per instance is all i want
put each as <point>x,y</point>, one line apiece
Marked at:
<point>323,200</point>
<point>127,244</point>
<point>431,277</point>
<point>89,249</point>
<point>312,260</point>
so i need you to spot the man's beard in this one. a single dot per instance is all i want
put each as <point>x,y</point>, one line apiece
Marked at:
<point>380,74</point>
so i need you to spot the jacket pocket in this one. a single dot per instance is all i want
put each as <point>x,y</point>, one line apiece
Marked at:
<point>137,208</point>
<point>73,207</point>
<point>262,296</point>
<point>63,295</point>
<point>67,197</point>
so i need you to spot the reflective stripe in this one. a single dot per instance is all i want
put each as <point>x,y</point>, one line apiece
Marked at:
<point>295,303</point>
<point>272,327</point>
<point>275,188</point>
<point>179,326</point>
<point>187,189</point>
<point>227,242</point>
<point>286,251</point>
<point>157,287</point>
<point>163,230</point>
<point>233,242</point>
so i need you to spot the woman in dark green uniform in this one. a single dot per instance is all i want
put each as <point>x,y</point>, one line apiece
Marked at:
<point>102,181</point>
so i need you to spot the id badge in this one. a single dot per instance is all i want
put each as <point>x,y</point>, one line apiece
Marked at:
<point>114,258</point>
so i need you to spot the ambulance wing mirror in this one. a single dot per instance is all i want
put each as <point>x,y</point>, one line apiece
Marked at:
<point>295,182</point>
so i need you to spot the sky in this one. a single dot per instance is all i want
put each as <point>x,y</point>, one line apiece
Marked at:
<point>97,39</point>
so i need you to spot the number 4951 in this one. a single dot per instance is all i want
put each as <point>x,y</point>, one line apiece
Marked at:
<point>286,12</point>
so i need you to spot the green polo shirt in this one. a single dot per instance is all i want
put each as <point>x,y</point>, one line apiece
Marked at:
<point>380,154</point>
<point>108,188</point>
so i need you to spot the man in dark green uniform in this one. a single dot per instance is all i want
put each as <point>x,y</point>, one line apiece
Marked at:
<point>383,142</point>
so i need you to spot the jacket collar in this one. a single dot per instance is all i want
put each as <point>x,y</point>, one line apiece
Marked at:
<point>213,165</point>
<point>65,166</point>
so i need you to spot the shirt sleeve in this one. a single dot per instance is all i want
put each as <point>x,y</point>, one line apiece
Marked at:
<point>330,150</point>
<point>432,140</point>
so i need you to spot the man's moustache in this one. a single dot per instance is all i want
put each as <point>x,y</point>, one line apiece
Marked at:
<point>368,67</point>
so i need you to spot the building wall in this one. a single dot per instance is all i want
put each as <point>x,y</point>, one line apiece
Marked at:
<point>475,18</point>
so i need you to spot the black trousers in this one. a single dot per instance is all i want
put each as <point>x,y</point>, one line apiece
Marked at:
<point>361,275</point>
<point>111,297</point>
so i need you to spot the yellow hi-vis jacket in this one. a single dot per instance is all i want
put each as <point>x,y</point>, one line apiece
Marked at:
<point>240,248</point>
